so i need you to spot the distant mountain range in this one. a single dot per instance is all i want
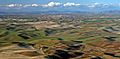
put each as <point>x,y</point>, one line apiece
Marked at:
<point>111,12</point>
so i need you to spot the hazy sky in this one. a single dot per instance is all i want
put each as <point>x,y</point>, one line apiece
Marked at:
<point>62,1</point>
<point>59,5</point>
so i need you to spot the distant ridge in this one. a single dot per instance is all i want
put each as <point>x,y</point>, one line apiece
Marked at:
<point>111,12</point>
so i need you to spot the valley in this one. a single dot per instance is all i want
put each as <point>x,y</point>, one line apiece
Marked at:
<point>59,36</point>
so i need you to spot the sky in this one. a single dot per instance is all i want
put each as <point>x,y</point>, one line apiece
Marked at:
<point>62,1</point>
<point>58,5</point>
